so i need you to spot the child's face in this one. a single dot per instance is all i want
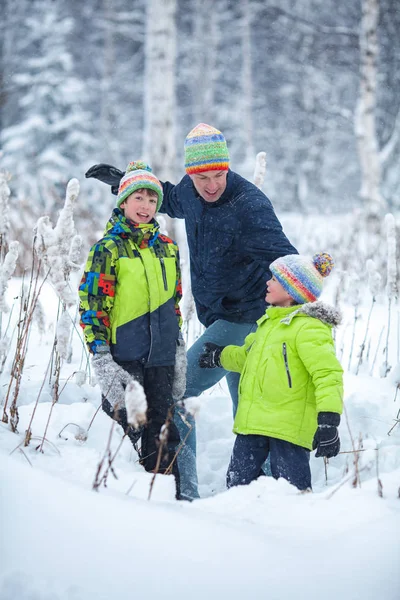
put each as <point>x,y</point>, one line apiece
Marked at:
<point>140,207</point>
<point>276,294</point>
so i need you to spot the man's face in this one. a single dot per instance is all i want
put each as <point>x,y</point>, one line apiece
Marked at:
<point>140,207</point>
<point>210,184</point>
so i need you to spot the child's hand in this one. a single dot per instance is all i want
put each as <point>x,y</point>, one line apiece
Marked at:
<point>210,357</point>
<point>326,438</point>
<point>111,378</point>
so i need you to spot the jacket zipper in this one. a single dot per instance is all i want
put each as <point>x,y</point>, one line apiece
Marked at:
<point>164,274</point>
<point>284,350</point>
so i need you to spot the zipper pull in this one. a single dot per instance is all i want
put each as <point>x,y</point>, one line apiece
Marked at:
<point>164,273</point>
<point>284,351</point>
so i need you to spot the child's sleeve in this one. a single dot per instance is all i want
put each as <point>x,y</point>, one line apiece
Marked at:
<point>316,350</point>
<point>233,357</point>
<point>178,289</point>
<point>96,297</point>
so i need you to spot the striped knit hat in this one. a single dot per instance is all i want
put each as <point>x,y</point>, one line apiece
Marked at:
<point>205,150</point>
<point>301,277</point>
<point>137,176</point>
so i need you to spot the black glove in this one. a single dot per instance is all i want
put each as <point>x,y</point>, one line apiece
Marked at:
<point>210,357</point>
<point>326,438</point>
<point>107,174</point>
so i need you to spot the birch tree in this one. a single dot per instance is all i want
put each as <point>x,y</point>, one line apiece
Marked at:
<point>159,81</point>
<point>247,81</point>
<point>365,125</point>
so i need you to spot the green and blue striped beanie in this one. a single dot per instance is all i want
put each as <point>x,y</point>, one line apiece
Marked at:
<point>205,150</point>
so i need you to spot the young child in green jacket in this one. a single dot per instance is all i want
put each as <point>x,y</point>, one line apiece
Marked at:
<point>129,307</point>
<point>291,385</point>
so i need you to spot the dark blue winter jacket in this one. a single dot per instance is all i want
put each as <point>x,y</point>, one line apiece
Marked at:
<point>232,242</point>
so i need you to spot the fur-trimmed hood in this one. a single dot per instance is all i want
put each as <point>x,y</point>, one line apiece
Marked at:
<point>318,310</point>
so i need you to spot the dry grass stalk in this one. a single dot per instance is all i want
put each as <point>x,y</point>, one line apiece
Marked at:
<point>380,486</point>
<point>362,347</point>
<point>27,307</point>
<point>397,421</point>
<point>99,480</point>
<point>341,484</point>
<point>356,479</point>
<point>56,387</point>
<point>28,432</point>
<point>376,352</point>
<point>163,441</point>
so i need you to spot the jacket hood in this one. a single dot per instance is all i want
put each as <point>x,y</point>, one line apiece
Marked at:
<point>318,310</point>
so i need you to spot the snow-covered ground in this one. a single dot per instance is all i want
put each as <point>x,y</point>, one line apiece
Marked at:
<point>61,540</point>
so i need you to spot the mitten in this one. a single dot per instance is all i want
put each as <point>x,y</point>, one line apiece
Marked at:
<point>106,173</point>
<point>111,378</point>
<point>179,383</point>
<point>326,438</point>
<point>210,357</point>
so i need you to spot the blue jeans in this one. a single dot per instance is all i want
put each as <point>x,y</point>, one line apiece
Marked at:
<point>199,380</point>
<point>287,460</point>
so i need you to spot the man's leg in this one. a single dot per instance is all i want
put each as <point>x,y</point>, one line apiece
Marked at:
<point>290,462</point>
<point>199,380</point>
<point>248,455</point>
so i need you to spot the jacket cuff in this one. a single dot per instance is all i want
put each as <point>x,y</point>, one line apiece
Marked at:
<point>101,349</point>
<point>329,418</point>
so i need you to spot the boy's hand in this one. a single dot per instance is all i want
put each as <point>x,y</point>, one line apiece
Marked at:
<point>210,357</point>
<point>179,383</point>
<point>326,438</point>
<point>111,378</point>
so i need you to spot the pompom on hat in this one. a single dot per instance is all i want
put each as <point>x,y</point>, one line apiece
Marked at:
<point>302,277</point>
<point>205,150</point>
<point>138,175</point>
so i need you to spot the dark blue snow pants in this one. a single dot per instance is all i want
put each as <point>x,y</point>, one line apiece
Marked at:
<point>287,460</point>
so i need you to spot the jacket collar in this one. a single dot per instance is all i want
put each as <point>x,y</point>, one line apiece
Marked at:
<point>318,310</point>
<point>143,234</point>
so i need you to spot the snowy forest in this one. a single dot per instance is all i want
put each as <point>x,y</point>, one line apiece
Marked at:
<point>114,81</point>
<point>307,94</point>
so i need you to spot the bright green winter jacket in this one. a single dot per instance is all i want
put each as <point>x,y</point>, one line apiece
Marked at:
<point>289,373</point>
<point>130,292</point>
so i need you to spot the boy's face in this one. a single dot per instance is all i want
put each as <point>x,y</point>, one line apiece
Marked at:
<point>140,206</point>
<point>210,184</point>
<point>276,294</point>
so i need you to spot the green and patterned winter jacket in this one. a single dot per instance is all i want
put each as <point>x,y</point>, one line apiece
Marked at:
<point>289,373</point>
<point>130,292</point>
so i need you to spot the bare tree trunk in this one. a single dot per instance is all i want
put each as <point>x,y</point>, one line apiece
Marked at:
<point>159,95</point>
<point>207,35</point>
<point>247,82</point>
<point>105,124</point>
<point>365,127</point>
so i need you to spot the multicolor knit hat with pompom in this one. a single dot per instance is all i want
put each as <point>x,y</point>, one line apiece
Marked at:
<point>138,176</point>
<point>205,150</point>
<point>302,277</point>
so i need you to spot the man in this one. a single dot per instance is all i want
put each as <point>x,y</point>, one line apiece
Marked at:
<point>233,235</point>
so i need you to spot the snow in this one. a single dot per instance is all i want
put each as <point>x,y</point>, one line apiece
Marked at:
<point>61,540</point>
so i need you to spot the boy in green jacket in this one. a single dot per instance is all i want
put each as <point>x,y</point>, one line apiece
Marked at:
<point>291,385</point>
<point>129,307</point>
